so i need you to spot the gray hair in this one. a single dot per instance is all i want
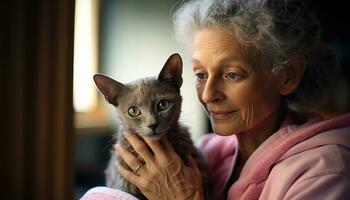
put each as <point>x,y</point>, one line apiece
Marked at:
<point>277,30</point>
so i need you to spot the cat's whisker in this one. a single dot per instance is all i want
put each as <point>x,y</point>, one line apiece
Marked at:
<point>164,124</point>
<point>139,131</point>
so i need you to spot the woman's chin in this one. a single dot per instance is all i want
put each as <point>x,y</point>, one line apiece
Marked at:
<point>224,130</point>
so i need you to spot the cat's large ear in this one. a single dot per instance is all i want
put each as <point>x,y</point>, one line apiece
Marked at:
<point>109,88</point>
<point>172,71</point>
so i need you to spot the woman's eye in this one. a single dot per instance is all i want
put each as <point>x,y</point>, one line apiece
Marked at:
<point>163,105</point>
<point>200,75</point>
<point>134,111</point>
<point>231,75</point>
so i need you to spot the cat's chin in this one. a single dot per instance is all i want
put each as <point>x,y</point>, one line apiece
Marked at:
<point>156,136</point>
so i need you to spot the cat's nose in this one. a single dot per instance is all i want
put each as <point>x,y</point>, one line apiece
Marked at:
<point>153,126</point>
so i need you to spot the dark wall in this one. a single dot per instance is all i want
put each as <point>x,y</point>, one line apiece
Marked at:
<point>36,107</point>
<point>334,18</point>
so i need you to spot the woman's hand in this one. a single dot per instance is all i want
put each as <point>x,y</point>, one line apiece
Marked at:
<point>163,175</point>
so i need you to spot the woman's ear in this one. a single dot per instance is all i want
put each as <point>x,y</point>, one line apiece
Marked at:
<point>290,78</point>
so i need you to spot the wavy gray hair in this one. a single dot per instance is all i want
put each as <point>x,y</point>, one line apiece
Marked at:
<point>277,30</point>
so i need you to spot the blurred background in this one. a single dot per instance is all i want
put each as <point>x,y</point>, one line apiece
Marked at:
<point>56,129</point>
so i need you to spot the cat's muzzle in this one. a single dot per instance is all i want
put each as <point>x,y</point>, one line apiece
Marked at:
<point>155,135</point>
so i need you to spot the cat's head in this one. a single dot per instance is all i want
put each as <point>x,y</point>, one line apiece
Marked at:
<point>148,106</point>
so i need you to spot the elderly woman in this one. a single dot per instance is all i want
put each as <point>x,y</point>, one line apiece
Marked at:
<point>267,84</point>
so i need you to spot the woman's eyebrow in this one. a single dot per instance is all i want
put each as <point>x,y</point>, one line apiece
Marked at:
<point>193,60</point>
<point>196,64</point>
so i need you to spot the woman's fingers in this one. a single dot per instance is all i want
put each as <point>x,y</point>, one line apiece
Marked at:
<point>165,175</point>
<point>129,176</point>
<point>139,146</point>
<point>156,147</point>
<point>135,164</point>
<point>167,146</point>
<point>162,149</point>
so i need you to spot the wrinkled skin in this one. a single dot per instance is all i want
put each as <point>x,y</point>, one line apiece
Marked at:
<point>164,175</point>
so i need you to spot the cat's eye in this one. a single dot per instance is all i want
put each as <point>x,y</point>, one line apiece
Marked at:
<point>163,105</point>
<point>134,111</point>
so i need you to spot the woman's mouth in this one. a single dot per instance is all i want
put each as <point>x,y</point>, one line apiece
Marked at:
<point>220,115</point>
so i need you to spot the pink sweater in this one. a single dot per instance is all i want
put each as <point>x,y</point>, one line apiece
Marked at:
<point>310,161</point>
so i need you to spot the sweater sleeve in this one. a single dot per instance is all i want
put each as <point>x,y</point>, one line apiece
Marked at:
<point>328,186</point>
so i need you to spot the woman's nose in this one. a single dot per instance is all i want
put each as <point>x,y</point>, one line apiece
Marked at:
<point>212,91</point>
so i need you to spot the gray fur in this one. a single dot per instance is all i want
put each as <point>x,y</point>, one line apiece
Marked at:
<point>146,94</point>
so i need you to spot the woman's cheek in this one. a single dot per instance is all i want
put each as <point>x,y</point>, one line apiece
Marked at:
<point>200,86</point>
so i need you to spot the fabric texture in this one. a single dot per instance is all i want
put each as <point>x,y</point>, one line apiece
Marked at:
<point>308,161</point>
<point>105,193</point>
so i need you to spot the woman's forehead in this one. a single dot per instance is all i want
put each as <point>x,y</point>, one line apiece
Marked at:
<point>217,39</point>
<point>217,45</point>
<point>220,46</point>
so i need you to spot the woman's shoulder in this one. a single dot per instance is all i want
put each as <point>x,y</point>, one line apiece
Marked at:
<point>324,153</point>
<point>317,167</point>
<point>322,172</point>
<point>315,162</point>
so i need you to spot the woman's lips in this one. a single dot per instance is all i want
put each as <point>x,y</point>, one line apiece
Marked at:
<point>217,115</point>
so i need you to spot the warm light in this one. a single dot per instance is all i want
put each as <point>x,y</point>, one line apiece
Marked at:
<point>85,55</point>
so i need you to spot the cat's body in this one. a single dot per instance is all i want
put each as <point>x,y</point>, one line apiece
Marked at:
<point>149,107</point>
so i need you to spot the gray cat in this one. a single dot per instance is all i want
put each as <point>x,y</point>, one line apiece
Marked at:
<point>150,107</point>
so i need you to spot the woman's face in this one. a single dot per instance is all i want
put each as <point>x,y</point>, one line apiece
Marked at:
<point>237,96</point>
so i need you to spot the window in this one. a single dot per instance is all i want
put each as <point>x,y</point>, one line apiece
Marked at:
<point>88,113</point>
